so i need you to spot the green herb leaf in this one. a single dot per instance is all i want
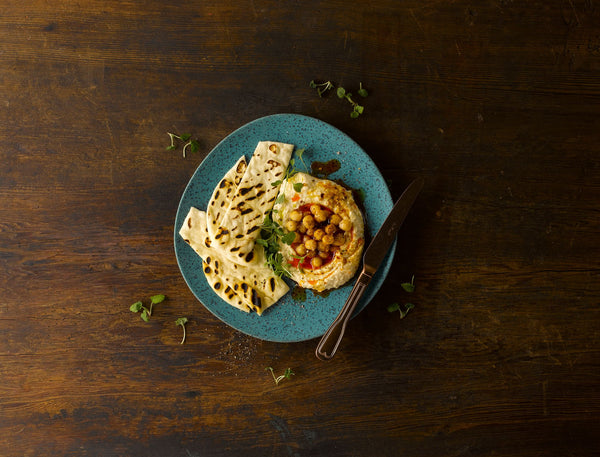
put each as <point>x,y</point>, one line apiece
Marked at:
<point>280,199</point>
<point>393,307</point>
<point>409,286</point>
<point>288,238</point>
<point>276,183</point>
<point>145,315</point>
<point>403,312</point>
<point>136,307</point>
<point>182,321</point>
<point>362,91</point>
<point>155,299</point>
<point>341,92</point>
<point>298,186</point>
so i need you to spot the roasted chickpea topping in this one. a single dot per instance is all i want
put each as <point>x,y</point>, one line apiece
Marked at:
<point>308,221</point>
<point>339,239</point>
<point>323,247</point>
<point>310,244</point>
<point>319,233</point>
<point>345,225</point>
<point>320,216</point>
<point>330,229</point>
<point>296,216</point>
<point>335,219</point>
<point>328,239</point>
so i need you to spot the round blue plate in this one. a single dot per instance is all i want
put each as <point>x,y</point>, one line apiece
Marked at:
<point>288,320</point>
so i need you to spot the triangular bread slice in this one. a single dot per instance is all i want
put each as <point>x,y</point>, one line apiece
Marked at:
<point>222,196</point>
<point>249,288</point>
<point>253,198</point>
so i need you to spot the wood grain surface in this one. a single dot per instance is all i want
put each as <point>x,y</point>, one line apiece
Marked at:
<point>495,103</point>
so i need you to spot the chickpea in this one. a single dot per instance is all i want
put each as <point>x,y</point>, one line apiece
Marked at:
<point>323,247</point>
<point>328,239</point>
<point>301,229</point>
<point>339,239</point>
<point>335,219</point>
<point>308,221</point>
<point>316,262</point>
<point>291,225</point>
<point>321,216</point>
<point>330,229</point>
<point>298,238</point>
<point>318,234</point>
<point>315,208</point>
<point>296,215</point>
<point>323,254</point>
<point>346,225</point>
<point>301,249</point>
<point>310,231</point>
<point>310,244</point>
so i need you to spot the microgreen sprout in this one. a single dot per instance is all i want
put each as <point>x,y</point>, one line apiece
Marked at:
<point>403,312</point>
<point>410,288</point>
<point>270,236</point>
<point>182,321</point>
<point>357,109</point>
<point>286,375</point>
<point>321,87</point>
<point>146,312</point>
<point>186,138</point>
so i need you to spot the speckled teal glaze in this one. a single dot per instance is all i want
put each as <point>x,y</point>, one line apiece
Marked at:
<point>288,320</point>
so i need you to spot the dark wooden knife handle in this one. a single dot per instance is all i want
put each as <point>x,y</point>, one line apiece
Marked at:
<point>332,338</point>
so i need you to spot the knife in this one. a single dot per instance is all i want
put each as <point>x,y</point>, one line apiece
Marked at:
<point>372,258</point>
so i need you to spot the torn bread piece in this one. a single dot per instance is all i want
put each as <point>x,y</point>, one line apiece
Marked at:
<point>253,198</point>
<point>249,288</point>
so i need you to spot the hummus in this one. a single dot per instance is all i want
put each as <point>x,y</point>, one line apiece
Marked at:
<point>329,231</point>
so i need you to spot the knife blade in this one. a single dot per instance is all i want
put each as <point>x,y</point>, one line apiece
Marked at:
<point>372,258</point>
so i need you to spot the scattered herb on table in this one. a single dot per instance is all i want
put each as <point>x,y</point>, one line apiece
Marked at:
<point>403,310</point>
<point>182,321</point>
<point>286,375</point>
<point>321,87</point>
<point>146,312</point>
<point>186,138</point>
<point>357,109</point>
<point>409,286</point>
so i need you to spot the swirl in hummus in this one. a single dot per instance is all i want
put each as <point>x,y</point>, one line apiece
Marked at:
<point>329,231</point>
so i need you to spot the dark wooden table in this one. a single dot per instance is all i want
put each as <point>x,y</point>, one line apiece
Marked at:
<point>496,104</point>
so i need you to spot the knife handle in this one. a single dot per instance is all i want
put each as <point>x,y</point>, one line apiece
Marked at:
<point>332,338</point>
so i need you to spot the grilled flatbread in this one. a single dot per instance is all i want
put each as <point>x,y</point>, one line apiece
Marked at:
<point>249,288</point>
<point>253,198</point>
<point>222,195</point>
